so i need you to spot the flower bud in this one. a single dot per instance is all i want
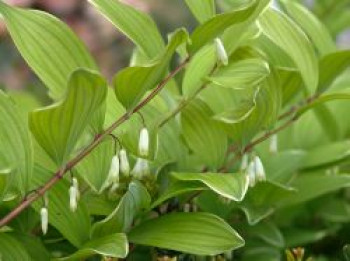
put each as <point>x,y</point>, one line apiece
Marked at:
<point>144,142</point>
<point>259,168</point>
<point>140,169</point>
<point>273,144</point>
<point>73,204</point>
<point>251,173</point>
<point>221,52</point>
<point>44,215</point>
<point>124,163</point>
<point>113,175</point>
<point>76,185</point>
<point>244,162</point>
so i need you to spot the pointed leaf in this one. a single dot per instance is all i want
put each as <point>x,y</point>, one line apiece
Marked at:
<point>115,245</point>
<point>11,248</point>
<point>195,233</point>
<point>203,10</point>
<point>57,128</point>
<point>16,153</point>
<point>132,83</point>
<point>48,45</point>
<point>215,26</point>
<point>135,200</point>
<point>229,185</point>
<point>313,27</point>
<point>136,25</point>
<point>288,36</point>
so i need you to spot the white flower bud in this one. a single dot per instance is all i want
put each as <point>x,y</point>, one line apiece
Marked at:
<point>244,162</point>
<point>221,52</point>
<point>140,169</point>
<point>73,204</point>
<point>113,175</point>
<point>259,169</point>
<point>124,163</point>
<point>44,215</point>
<point>187,208</point>
<point>251,173</point>
<point>76,185</point>
<point>113,189</point>
<point>273,144</point>
<point>144,142</point>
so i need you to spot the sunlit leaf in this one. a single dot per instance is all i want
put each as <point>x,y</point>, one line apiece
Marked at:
<point>48,45</point>
<point>202,9</point>
<point>57,128</point>
<point>195,233</point>
<point>138,26</point>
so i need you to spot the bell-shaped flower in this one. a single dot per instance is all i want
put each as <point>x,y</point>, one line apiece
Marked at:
<point>273,148</point>
<point>73,202</point>
<point>124,163</point>
<point>140,169</point>
<point>251,173</point>
<point>75,184</point>
<point>144,142</point>
<point>244,162</point>
<point>221,52</point>
<point>113,174</point>
<point>259,169</point>
<point>44,216</point>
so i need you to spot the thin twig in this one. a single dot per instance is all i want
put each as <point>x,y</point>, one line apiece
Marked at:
<point>97,140</point>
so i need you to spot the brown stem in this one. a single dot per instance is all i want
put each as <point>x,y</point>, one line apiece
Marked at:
<point>97,140</point>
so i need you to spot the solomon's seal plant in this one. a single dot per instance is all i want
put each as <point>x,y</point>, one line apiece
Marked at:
<point>244,121</point>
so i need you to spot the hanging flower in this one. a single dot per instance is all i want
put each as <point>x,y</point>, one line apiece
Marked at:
<point>221,52</point>
<point>244,162</point>
<point>140,169</point>
<point>251,173</point>
<point>259,168</point>
<point>144,142</point>
<point>76,185</point>
<point>44,216</point>
<point>113,175</point>
<point>73,203</point>
<point>124,163</point>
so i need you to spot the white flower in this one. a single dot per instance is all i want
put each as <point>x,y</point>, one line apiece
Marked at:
<point>259,169</point>
<point>44,215</point>
<point>273,144</point>
<point>221,52</point>
<point>113,189</point>
<point>244,162</point>
<point>73,203</point>
<point>140,169</point>
<point>113,175</point>
<point>76,185</point>
<point>251,173</point>
<point>144,142</point>
<point>124,163</point>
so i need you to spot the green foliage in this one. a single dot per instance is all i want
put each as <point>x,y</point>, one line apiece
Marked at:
<point>283,98</point>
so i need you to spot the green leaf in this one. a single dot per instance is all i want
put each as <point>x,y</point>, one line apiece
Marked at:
<point>268,232</point>
<point>203,10</point>
<point>74,226</point>
<point>177,188</point>
<point>115,245</point>
<point>313,27</point>
<point>237,114</point>
<point>229,185</point>
<point>331,66</point>
<point>195,233</point>
<point>4,182</point>
<point>242,74</point>
<point>136,25</point>
<point>132,83</point>
<point>215,26</point>
<point>134,201</point>
<point>48,45</point>
<point>300,237</point>
<point>310,186</point>
<point>34,247</point>
<point>203,135</point>
<point>12,249</point>
<point>262,200</point>
<point>201,64</point>
<point>288,36</point>
<point>94,168</point>
<point>16,153</point>
<point>327,154</point>
<point>58,127</point>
